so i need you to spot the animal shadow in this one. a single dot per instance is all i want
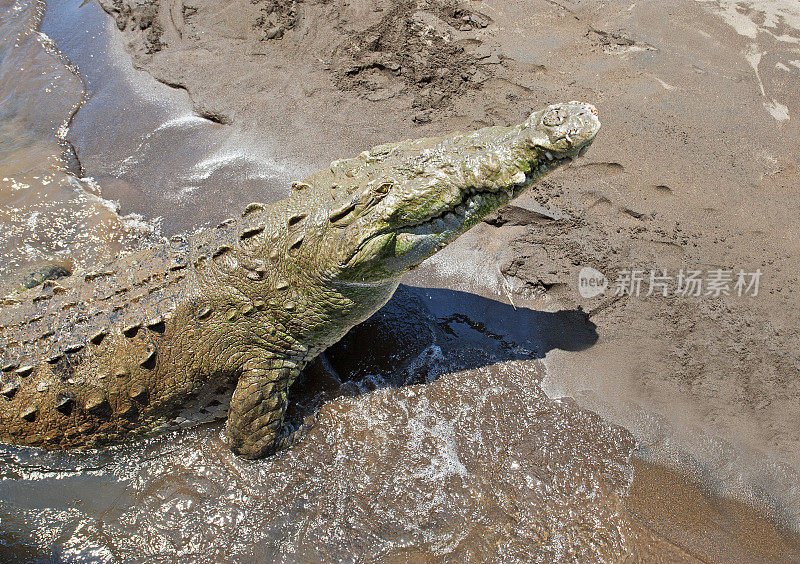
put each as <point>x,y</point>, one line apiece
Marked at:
<point>422,333</point>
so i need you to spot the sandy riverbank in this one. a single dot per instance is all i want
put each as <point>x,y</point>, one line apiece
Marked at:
<point>696,168</point>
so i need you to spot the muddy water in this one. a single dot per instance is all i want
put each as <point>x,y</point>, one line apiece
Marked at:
<point>432,439</point>
<point>444,449</point>
<point>47,211</point>
<point>145,145</point>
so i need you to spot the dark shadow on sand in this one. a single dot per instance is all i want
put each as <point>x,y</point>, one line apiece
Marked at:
<point>425,332</point>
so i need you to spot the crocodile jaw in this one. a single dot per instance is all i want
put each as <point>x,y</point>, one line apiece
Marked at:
<point>496,165</point>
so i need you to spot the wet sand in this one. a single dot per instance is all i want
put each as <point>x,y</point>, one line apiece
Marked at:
<point>694,162</point>
<point>696,168</point>
<point>678,521</point>
<point>48,212</point>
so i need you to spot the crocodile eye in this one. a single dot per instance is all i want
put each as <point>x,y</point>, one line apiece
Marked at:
<point>384,188</point>
<point>554,117</point>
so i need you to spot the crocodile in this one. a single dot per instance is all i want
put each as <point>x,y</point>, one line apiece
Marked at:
<point>219,324</point>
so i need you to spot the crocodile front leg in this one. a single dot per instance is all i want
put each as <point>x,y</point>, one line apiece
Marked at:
<point>257,409</point>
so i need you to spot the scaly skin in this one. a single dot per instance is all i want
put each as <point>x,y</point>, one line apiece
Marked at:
<point>161,337</point>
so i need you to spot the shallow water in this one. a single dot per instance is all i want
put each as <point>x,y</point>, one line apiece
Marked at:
<point>436,445</point>
<point>432,440</point>
<point>145,145</point>
<point>47,211</point>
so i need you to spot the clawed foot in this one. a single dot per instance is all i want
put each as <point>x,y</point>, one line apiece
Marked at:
<point>295,436</point>
<point>255,451</point>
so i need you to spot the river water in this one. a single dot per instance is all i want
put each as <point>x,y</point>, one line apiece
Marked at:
<point>48,212</point>
<point>432,441</point>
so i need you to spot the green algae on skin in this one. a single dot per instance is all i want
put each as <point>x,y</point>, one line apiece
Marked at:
<point>221,323</point>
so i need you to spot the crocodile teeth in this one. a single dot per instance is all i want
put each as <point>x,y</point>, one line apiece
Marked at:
<point>549,155</point>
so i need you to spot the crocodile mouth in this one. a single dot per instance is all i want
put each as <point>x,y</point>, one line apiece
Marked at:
<point>476,203</point>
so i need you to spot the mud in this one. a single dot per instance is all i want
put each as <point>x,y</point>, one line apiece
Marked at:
<point>696,169</point>
<point>445,417</point>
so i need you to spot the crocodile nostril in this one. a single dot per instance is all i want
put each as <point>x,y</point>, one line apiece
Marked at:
<point>554,117</point>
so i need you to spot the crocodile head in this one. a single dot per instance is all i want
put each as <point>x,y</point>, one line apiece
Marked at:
<point>426,200</point>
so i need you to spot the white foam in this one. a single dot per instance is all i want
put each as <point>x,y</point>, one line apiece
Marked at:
<point>33,219</point>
